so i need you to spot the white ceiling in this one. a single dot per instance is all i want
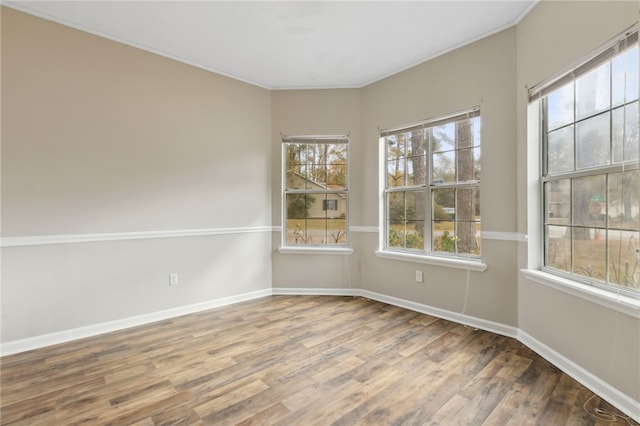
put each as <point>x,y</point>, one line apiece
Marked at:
<point>290,44</point>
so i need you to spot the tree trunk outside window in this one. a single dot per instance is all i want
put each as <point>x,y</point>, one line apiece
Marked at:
<point>465,200</point>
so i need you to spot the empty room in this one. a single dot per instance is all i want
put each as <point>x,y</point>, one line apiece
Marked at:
<point>318,212</point>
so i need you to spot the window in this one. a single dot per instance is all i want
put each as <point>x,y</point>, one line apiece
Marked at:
<point>315,183</point>
<point>590,178</point>
<point>330,204</point>
<point>432,186</point>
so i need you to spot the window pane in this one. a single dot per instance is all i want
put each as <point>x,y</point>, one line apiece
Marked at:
<point>557,199</point>
<point>414,235</point>
<point>296,232</point>
<point>464,134</point>
<point>395,146</point>
<point>589,203</point>
<point>467,164</point>
<point>444,239</point>
<point>558,247</point>
<point>305,166</point>
<point>623,258</point>
<point>396,172</point>
<point>337,166</point>
<point>592,142</point>
<point>297,168</point>
<point>476,130</point>
<point>625,133</point>
<point>298,205</point>
<point>415,206</point>
<point>405,220</point>
<point>624,200</point>
<point>443,138</point>
<point>396,209</point>
<point>593,92</point>
<point>415,143</point>
<point>318,217</point>
<point>560,107</point>
<point>337,176</point>
<point>417,170</point>
<point>450,153</point>
<point>444,167</point>
<point>468,240</point>
<point>625,77</point>
<point>444,203</point>
<point>466,204</point>
<point>316,231</point>
<point>589,253</point>
<point>396,160</point>
<point>336,231</point>
<point>592,217</point>
<point>395,236</point>
<point>560,150</point>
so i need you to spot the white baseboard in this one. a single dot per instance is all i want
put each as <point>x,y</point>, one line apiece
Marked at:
<point>474,322</point>
<point>41,341</point>
<point>343,291</point>
<point>618,399</point>
<point>612,395</point>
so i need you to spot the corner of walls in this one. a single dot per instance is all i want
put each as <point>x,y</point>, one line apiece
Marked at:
<point>120,167</point>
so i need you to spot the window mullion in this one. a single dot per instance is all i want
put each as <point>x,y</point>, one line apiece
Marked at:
<point>428,216</point>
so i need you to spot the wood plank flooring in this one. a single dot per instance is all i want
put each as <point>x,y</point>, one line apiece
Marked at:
<point>293,360</point>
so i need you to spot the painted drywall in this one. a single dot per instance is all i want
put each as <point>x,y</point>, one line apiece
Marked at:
<point>100,138</point>
<point>317,112</point>
<point>483,74</point>
<point>554,36</point>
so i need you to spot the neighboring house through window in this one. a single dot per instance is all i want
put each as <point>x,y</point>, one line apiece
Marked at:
<point>590,182</point>
<point>432,186</point>
<point>315,184</point>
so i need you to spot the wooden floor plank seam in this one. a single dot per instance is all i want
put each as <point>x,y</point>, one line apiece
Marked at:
<point>294,360</point>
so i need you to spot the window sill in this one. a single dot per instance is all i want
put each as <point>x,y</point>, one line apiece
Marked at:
<point>466,264</point>
<point>608,299</point>
<point>315,250</point>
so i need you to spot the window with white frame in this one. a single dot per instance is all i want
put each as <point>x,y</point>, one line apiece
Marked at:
<point>590,182</point>
<point>432,186</point>
<point>315,191</point>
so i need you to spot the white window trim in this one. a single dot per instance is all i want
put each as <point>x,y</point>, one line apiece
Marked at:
<point>314,250</point>
<point>431,258</point>
<point>449,261</point>
<point>607,298</point>
<point>311,248</point>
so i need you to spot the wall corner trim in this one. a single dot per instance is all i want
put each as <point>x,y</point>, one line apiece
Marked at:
<point>55,338</point>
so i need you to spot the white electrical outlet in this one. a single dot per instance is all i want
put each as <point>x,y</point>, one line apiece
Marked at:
<point>173,279</point>
<point>418,276</point>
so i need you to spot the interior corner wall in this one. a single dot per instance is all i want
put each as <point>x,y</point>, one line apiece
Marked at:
<point>103,141</point>
<point>600,340</point>
<point>101,138</point>
<point>480,74</point>
<point>318,112</point>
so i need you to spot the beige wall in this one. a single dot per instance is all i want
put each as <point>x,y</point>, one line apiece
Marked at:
<point>98,137</point>
<point>317,112</point>
<point>602,341</point>
<point>482,73</point>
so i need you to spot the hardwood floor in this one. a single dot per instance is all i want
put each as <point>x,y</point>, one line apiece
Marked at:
<point>293,360</point>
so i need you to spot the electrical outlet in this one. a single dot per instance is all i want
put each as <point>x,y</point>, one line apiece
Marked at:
<point>173,279</point>
<point>418,276</point>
